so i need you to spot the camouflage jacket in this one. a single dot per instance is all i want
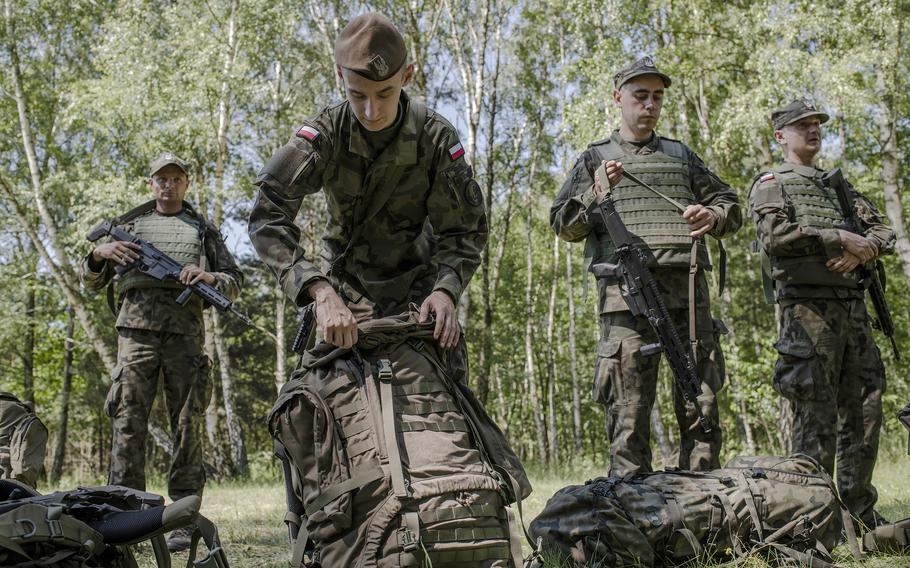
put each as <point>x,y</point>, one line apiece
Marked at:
<point>781,235</point>
<point>569,215</point>
<point>401,225</point>
<point>155,308</point>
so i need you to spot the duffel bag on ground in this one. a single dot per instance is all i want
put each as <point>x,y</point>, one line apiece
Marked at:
<point>391,459</point>
<point>779,506</point>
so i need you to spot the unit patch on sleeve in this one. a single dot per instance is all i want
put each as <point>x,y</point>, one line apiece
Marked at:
<point>456,151</point>
<point>472,193</point>
<point>308,132</point>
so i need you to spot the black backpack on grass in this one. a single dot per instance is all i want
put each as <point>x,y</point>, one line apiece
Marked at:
<point>92,527</point>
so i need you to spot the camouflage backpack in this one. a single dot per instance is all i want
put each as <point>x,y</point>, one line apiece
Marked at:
<point>23,440</point>
<point>787,507</point>
<point>390,458</point>
<point>92,527</point>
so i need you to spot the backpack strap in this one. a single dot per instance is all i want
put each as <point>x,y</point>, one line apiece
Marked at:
<point>387,400</point>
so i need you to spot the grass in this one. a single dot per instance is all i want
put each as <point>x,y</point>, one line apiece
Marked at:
<point>249,517</point>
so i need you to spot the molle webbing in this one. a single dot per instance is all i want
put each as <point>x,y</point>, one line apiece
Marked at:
<point>175,236</point>
<point>814,205</point>
<point>648,216</point>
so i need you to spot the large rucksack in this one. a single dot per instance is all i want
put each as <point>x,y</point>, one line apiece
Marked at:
<point>92,527</point>
<point>23,441</point>
<point>780,506</point>
<point>390,458</point>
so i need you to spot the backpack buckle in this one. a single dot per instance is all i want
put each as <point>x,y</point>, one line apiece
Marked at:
<point>27,528</point>
<point>385,370</point>
<point>407,540</point>
<point>53,526</point>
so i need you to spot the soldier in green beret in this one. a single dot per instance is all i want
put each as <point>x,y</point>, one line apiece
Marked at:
<point>158,336</point>
<point>406,218</point>
<point>625,379</point>
<point>828,365</point>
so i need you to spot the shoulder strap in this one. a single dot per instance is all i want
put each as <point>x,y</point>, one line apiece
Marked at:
<point>133,213</point>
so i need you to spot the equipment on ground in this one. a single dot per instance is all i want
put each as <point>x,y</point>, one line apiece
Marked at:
<point>783,507</point>
<point>92,527</point>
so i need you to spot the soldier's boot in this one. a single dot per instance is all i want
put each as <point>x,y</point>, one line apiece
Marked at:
<point>180,539</point>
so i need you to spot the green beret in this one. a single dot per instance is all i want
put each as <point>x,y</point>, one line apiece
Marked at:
<point>644,66</point>
<point>794,112</point>
<point>372,46</point>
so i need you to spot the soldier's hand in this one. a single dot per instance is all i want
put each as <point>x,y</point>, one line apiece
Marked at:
<point>614,174</point>
<point>858,245</point>
<point>845,263</point>
<point>441,305</point>
<point>700,219</point>
<point>121,252</point>
<point>338,324</point>
<point>191,274</point>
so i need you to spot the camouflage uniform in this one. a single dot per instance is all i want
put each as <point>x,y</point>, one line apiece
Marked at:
<point>158,336</point>
<point>625,380</point>
<point>23,441</point>
<point>405,214</point>
<point>827,357</point>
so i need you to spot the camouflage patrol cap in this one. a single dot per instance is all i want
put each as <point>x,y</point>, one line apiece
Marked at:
<point>644,66</point>
<point>166,159</point>
<point>795,111</point>
<point>372,46</point>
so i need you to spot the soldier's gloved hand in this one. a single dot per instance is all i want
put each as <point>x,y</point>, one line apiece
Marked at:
<point>338,324</point>
<point>700,219</point>
<point>121,252</point>
<point>858,245</point>
<point>614,174</point>
<point>845,263</point>
<point>191,274</point>
<point>441,305</point>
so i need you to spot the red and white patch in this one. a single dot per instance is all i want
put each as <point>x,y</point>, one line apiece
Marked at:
<point>456,151</point>
<point>308,132</point>
<point>767,177</point>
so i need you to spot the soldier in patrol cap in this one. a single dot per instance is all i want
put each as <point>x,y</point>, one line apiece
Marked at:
<point>828,365</point>
<point>156,335</point>
<point>625,380</point>
<point>406,218</point>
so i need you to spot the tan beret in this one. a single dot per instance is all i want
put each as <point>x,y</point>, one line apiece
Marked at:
<point>372,46</point>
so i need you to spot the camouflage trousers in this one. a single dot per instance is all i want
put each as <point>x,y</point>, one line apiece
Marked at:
<point>625,381</point>
<point>831,371</point>
<point>142,356</point>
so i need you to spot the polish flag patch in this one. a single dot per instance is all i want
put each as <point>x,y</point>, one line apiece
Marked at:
<point>308,132</point>
<point>767,177</point>
<point>456,151</point>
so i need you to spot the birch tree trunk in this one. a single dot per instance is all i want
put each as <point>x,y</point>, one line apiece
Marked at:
<point>577,432</point>
<point>54,255</point>
<point>59,454</point>
<point>235,431</point>
<point>530,373</point>
<point>552,437</point>
<point>887,87</point>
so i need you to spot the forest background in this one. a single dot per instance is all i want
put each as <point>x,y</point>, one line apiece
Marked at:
<point>91,90</point>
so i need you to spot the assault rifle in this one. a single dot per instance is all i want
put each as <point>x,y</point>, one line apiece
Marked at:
<point>152,262</point>
<point>871,275</point>
<point>644,298</point>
